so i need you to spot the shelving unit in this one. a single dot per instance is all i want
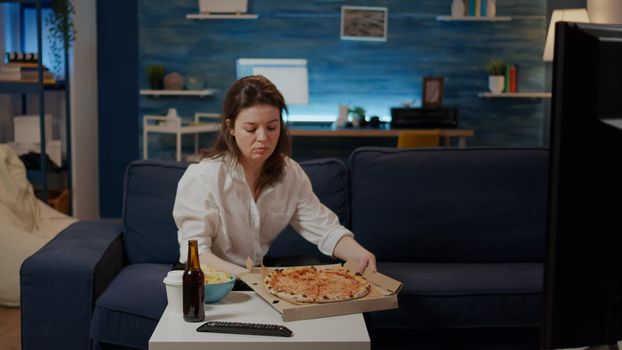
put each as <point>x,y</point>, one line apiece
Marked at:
<point>473,19</point>
<point>199,93</point>
<point>165,125</point>
<point>221,16</point>
<point>515,95</point>
<point>39,87</point>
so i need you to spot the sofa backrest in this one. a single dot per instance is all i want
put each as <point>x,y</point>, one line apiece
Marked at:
<point>450,205</point>
<point>149,195</point>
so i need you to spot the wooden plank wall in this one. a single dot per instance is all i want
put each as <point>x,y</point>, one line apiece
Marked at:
<point>375,75</point>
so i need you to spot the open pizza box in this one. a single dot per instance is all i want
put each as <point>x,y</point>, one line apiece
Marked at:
<point>382,296</point>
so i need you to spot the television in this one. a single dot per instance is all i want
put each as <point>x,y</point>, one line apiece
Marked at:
<point>583,265</point>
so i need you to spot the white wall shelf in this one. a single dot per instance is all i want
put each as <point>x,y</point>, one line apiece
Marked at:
<point>473,19</point>
<point>515,95</point>
<point>199,93</point>
<point>221,16</point>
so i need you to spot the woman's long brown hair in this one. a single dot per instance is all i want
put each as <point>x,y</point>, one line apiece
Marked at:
<point>245,93</point>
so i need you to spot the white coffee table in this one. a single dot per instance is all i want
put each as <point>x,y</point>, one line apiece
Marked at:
<point>338,332</point>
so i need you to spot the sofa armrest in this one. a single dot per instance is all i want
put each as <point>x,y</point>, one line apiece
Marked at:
<point>61,281</point>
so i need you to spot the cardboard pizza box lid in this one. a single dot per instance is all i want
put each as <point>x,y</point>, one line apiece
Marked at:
<point>381,296</point>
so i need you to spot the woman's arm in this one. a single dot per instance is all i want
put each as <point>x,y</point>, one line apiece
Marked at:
<point>210,259</point>
<point>195,215</point>
<point>349,249</point>
<point>319,225</point>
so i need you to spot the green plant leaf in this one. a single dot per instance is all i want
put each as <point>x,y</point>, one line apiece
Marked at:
<point>358,111</point>
<point>61,29</point>
<point>496,67</point>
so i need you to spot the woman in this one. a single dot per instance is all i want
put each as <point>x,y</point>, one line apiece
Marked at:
<point>246,189</point>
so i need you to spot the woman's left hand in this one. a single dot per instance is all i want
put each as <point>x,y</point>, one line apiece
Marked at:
<point>348,249</point>
<point>367,260</point>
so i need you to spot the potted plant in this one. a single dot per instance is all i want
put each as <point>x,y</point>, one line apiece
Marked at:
<point>62,32</point>
<point>358,116</point>
<point>496,75</point>
<point>155,72</point>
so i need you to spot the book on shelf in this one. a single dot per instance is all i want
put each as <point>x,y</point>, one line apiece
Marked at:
<point>50,81</point>
<point>506,81</point>
<point>22,64</point>
<point>24,72</point>
<point>511,79</point>
<point>27,79</point>
<point>476,8</point>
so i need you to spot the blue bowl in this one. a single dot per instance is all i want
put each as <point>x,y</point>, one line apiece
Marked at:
<point>214,292</point>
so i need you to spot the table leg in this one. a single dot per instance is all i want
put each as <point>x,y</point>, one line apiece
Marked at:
<point>196,143</point>
<point>145,150</point>
<point>178,148</point>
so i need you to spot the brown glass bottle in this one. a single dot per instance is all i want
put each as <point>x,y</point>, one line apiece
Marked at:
<point>193,287</point>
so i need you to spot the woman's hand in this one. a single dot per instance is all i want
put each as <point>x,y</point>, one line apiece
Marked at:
<point>367,260</point>
<point>349,249</point>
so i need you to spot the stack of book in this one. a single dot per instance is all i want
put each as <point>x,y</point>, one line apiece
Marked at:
<point>25,72</point>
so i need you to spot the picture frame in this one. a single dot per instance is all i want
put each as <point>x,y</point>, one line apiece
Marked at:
<point>365,23</point>
<point>432,92</point>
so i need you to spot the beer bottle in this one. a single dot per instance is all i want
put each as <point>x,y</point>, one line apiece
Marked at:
<point>193,287</point>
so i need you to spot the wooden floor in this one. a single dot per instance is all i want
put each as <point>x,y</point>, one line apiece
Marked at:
<point>10,338</point>
<point>10,328</point>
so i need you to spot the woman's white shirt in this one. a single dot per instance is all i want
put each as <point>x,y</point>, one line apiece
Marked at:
<point>215,206</point>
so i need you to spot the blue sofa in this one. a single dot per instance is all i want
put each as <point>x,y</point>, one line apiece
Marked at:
<point>462,229</point>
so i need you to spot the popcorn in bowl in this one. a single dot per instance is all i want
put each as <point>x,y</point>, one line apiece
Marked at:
<point>212,275</point>
<point>217,284</point>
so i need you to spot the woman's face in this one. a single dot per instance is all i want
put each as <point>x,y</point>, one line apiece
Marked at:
<point>256,131</point>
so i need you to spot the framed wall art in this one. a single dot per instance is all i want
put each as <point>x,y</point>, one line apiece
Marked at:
<point>432,92</point>
<point>364,23</point>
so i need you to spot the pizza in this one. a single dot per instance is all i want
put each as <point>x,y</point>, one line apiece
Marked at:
<point>311,285</point>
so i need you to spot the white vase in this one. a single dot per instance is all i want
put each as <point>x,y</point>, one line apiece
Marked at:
<point>491,8</point>
<point>496,83</point>
<point>457,8</point>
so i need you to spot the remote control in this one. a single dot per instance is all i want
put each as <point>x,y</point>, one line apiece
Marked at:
<point>245,328</point>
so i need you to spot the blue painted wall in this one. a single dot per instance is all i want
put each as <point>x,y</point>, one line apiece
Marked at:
<point>375,75</point>
<point>135,33</point>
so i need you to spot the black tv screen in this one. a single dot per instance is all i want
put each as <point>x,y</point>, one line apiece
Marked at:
<point>583,271</point>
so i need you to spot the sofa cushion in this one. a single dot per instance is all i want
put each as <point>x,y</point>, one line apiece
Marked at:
<point>130,308</point>
<point>464,296</point>
<point>149,195</point>
<point>450,205</point>
<point>329,179</point>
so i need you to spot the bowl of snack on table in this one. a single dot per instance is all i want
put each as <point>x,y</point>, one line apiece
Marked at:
<point>217,284</point>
